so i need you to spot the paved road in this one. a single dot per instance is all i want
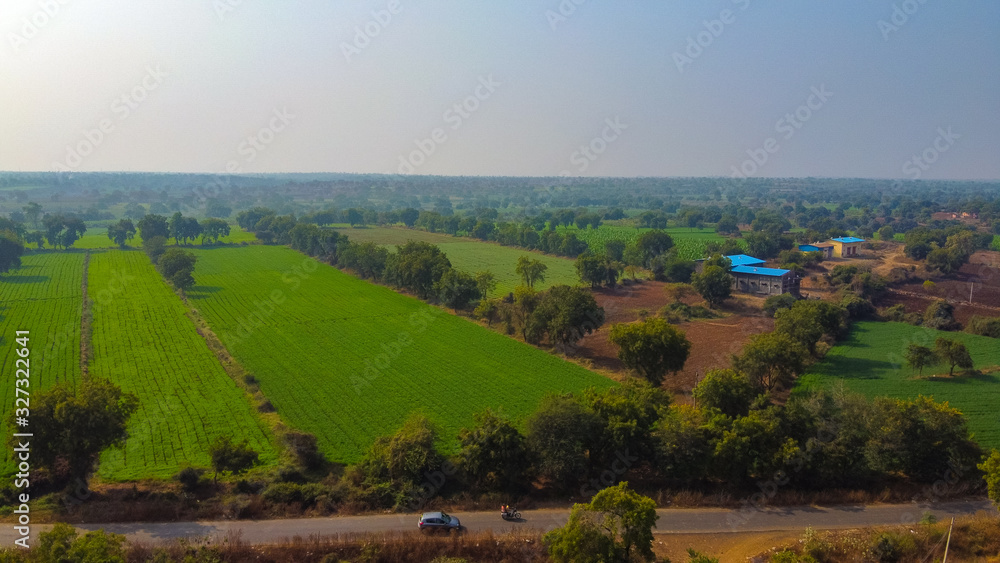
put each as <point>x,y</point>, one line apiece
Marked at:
<point>677,520</point>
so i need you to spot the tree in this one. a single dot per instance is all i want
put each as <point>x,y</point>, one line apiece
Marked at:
<point>727,225</point>
<point>154,248</point>
<point>121,232</point>
<point>32,211</point>
<point>72,425</point>
<point>11,250</point>
<point>617,525</point>
<point>153,226</point>
<point>231,456</point>
<point>217,209</point>
<point>212,229</point>
<point>456,289</point>
<point>652,244</point>
<point>918,357</point>
<point>776,303</point>
<point>559,433</point>
<point>771,359</point>
<point>591,269</point>
<point>953,353</point>
<point>567,314</point>
<point>808,321</point>
<point>183,229</point>
<point>991,470</point>
<point>615,250</point>
<point>488,309</point>
<point>486,282</point>
<point>35,237</point>
<point>714,284</point>
<point>63,230</point>
<point>651,347</point>
<point>530,270</point>
<point>409,216</point>
<point>395,464</point>
<point>628,416</point>
<point>940,315</point>
<point>177,266</point>
<point>417,266</point>
<point>727,391</point>
<point>494,455</point>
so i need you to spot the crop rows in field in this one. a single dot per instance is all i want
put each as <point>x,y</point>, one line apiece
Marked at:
<point>870,361</point>
<point>44,297</point>
<point>348,360</point>
<point>143,342</point>
<point>690,243</point>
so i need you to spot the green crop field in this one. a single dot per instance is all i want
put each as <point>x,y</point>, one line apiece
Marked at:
<point>44,297</point>
<point>472,256</point>
<point>870,361</point>
<point>348,360</point>
<point>143,342</point>
<point>97,238</point>
<point>690,243</point>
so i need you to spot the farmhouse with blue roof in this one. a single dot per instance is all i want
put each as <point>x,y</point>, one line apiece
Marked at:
<point>846,247</point>
<point>750,276</point>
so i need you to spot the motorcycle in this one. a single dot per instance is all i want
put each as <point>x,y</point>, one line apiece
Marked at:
<point>509,513</point>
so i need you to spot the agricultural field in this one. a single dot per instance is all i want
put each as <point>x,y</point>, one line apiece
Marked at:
<point>870,361</point>
<point>471,256</point>
<point>143,342</point>
<point>690,243</point>
<point>97,238</point>
<point>348,360</point>
<point>45,297</point>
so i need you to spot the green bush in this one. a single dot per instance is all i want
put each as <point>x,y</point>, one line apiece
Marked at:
<point>282,493</point>
<point>984,326</point>
<point>190,478</point>
<point>891,547</point>
<point>775,302</point>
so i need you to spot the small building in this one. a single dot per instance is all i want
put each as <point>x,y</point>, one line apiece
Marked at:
<point>734,259</point>
<point>762,281</point>
<point>825,247</point>
<point>846,247</point>
<point>744,260</point>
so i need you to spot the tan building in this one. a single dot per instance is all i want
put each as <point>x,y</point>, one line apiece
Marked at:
<point>846,247</point>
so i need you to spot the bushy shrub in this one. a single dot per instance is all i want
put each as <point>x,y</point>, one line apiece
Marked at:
<point>984,326</point>
<point>190,478</point>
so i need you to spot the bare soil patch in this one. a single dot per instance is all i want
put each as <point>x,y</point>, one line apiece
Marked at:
<point>713,341</point>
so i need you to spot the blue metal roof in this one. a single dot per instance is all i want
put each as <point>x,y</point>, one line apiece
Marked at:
<point>778,272</point>
<point>743,260</point>
<point>808,247</point>
<point>849,239</point>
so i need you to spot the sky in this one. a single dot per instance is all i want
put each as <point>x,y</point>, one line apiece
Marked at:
<point>787,88</point>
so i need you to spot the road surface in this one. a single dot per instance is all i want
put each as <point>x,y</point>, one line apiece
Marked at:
<point>672,520</point>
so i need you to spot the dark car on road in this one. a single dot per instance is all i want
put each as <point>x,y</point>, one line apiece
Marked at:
<point>434,521</point>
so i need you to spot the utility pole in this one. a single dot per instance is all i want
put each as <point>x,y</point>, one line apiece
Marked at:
<point>948,543</point>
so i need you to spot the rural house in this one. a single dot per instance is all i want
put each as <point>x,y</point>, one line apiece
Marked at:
<point>845,247</point>
<point>762,281</point>
<point>825,247</point>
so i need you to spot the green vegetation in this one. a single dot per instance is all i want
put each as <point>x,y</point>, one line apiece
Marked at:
<point>872,361</point>
<point>349,361</point>
<point>690,243</point>
<point>143,342</point>
<point>475,256</point>
<point>45,297</point>
<point>97,238</point>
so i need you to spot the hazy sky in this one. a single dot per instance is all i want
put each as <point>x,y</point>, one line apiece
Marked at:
<point>854,88</point>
